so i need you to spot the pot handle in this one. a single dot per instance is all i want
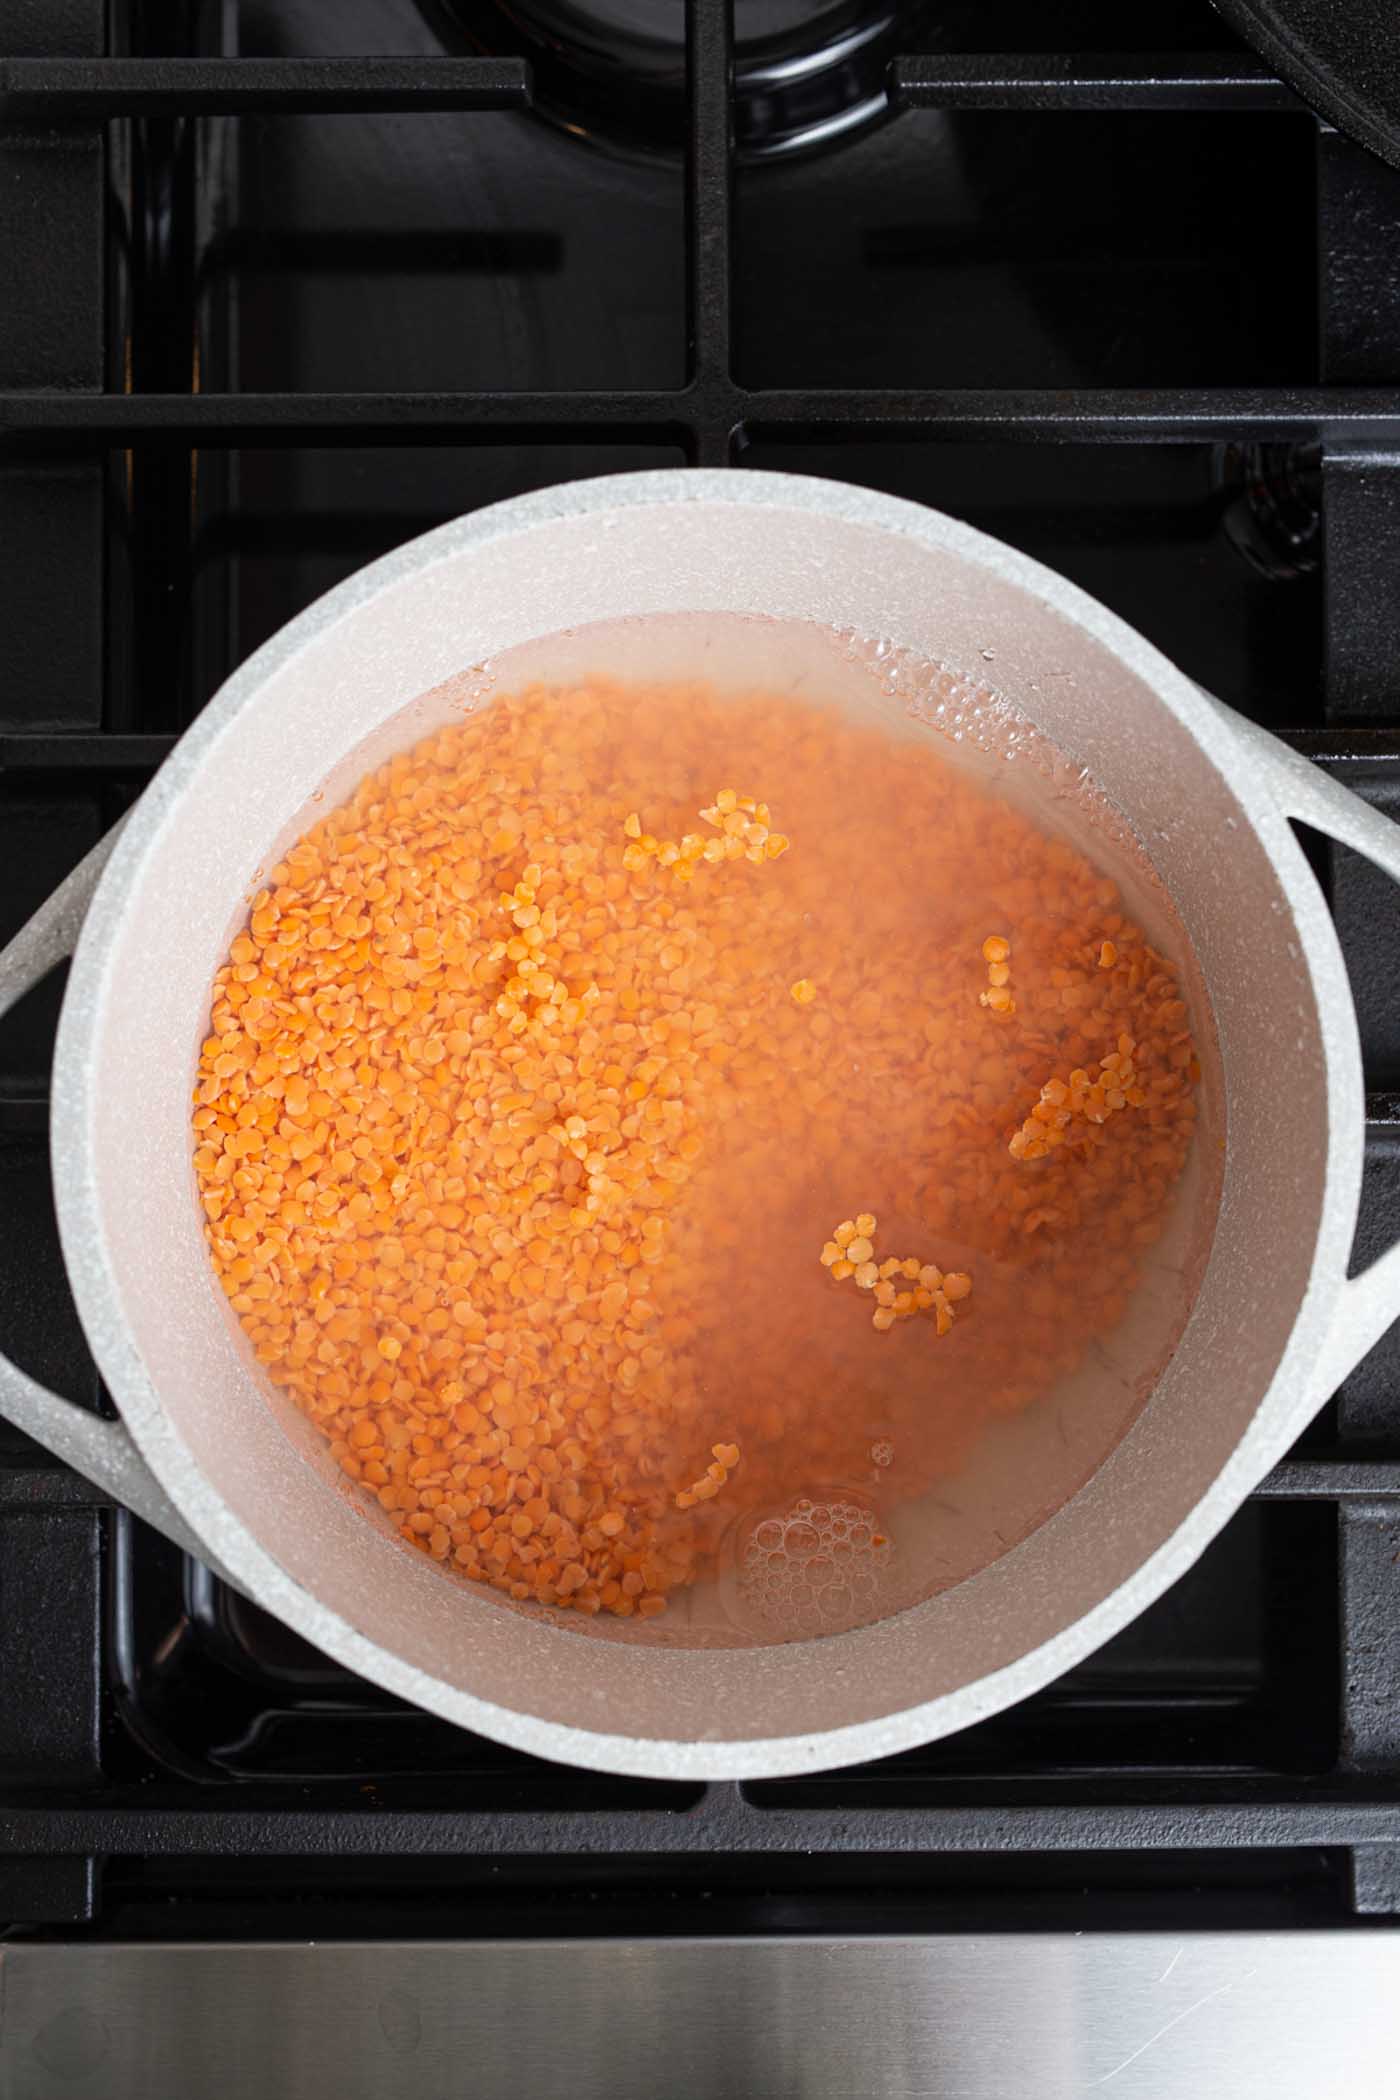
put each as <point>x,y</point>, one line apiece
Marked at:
<point>102,1451</point>
<point>1367,1304</point>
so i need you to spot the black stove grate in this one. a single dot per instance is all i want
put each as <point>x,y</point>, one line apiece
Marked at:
<point>169,1758</point>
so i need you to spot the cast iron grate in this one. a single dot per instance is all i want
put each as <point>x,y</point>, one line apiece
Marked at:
<point>1244,1738</point>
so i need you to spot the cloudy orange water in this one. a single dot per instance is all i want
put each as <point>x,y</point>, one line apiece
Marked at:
<point>518,1152</point>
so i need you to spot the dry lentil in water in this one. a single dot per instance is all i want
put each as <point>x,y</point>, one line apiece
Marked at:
<point>543,1065</point>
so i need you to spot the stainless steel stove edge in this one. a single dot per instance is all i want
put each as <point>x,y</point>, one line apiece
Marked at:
<point>1015,2016</point>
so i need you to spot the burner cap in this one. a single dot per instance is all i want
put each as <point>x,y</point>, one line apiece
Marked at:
<point>1271,505</point>
<point>805,71</point>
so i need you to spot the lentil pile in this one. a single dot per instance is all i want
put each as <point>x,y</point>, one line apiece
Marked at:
<point>540,1067</point>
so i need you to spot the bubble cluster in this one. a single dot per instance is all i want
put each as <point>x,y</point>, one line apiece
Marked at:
<point>882,1451</point>
<point>816,1569</point>
<point>963,708</point>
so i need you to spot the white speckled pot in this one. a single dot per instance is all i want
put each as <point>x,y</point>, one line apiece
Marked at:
<point>203,1453</point>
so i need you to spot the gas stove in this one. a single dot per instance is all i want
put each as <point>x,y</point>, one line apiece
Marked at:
<point>288,285</point>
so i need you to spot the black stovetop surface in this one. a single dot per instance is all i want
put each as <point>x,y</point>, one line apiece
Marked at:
<point>1127,306</point>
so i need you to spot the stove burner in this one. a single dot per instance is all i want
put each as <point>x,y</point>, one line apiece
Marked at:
<point>805,72</point>
<point>1271,506</point>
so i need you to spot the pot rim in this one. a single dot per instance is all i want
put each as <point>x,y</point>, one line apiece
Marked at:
<point>1284,1409</point>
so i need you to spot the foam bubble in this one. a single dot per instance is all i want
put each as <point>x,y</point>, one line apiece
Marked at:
<point>817,1568</point>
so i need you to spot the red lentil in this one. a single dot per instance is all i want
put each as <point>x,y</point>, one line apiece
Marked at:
<point>509,1136</point>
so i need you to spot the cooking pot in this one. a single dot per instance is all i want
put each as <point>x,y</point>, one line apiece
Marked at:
<point>205,1452</point>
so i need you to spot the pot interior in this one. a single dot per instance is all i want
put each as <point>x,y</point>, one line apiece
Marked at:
<point>391,658</point>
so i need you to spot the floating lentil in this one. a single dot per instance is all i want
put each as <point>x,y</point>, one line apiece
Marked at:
<point>854,1257</point>
<point>996,953</point>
